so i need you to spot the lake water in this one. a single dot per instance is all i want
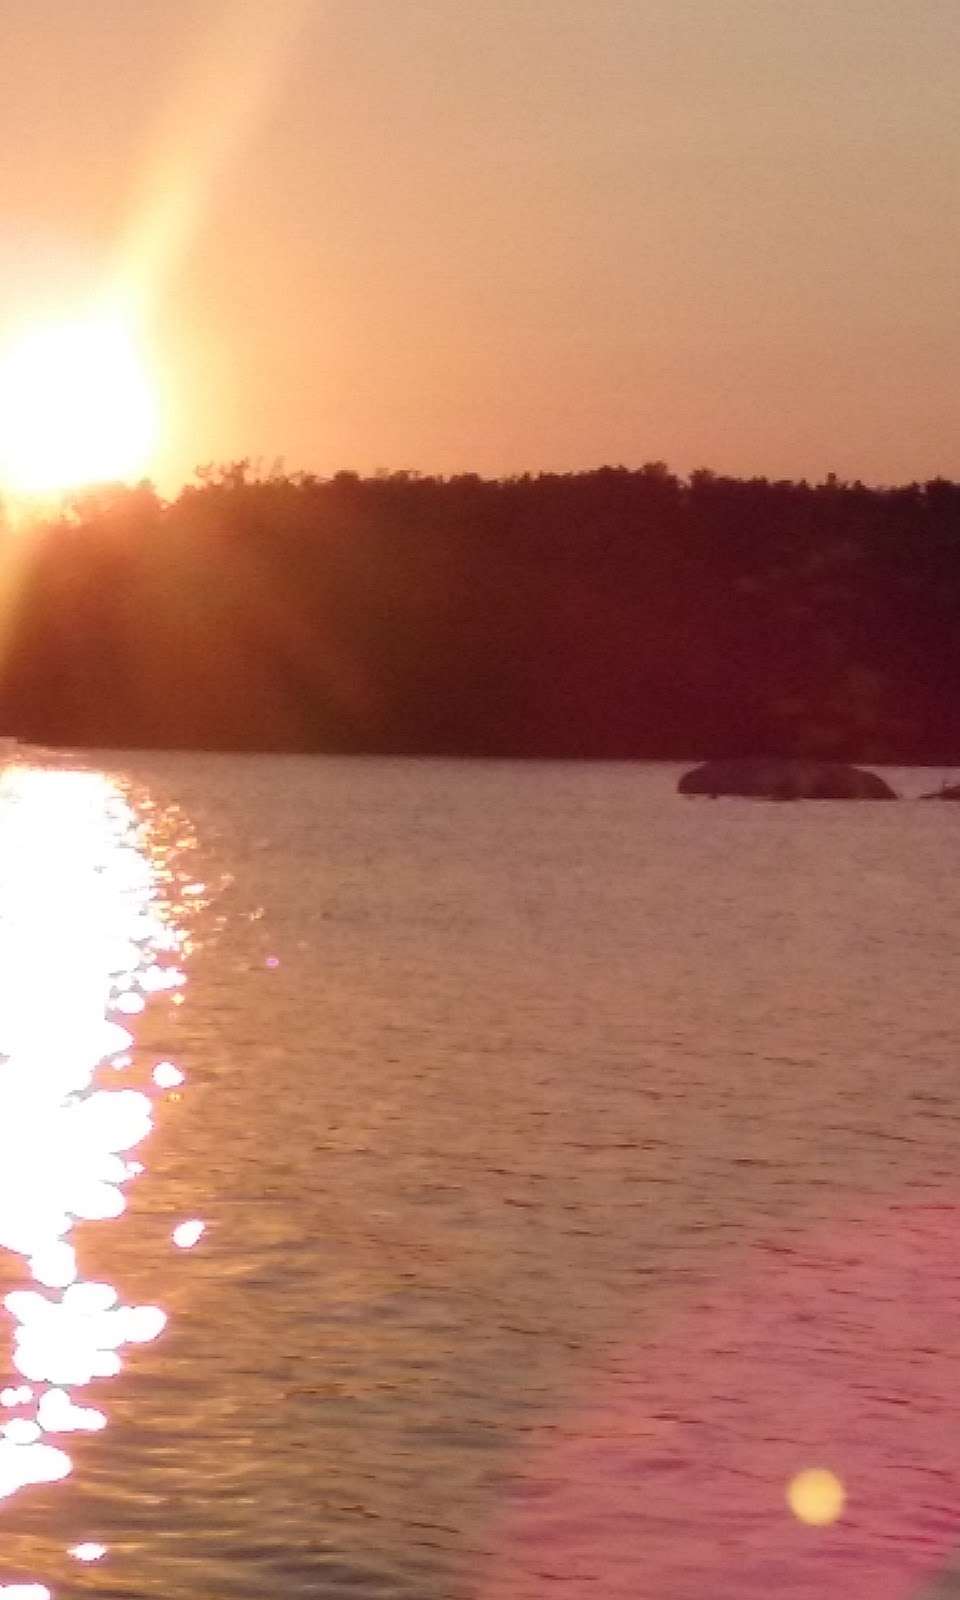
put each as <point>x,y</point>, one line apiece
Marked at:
<point>578,1165</point>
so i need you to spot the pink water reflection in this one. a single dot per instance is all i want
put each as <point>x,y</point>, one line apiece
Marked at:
<point>835,1353</point>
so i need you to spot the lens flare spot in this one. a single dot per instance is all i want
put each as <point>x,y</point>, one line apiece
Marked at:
<point>816,1497</point>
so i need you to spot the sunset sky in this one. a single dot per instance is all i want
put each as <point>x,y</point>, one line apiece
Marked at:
<point>507,235</point>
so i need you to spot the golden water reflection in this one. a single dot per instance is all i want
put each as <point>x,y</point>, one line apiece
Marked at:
<point>85,942</point>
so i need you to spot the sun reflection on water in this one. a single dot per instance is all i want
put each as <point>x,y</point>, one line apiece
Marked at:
<point>84,944</point>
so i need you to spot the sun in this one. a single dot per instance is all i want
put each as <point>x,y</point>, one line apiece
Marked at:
<point>76,407</point>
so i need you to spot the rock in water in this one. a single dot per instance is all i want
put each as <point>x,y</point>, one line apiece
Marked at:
<point>772,778</point>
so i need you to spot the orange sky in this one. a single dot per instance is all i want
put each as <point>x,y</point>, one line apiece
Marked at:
<point>516,234</point>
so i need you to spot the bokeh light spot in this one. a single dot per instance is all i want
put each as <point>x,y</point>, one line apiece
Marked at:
<point>816,1497</point>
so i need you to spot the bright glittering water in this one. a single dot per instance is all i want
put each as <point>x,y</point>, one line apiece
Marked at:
<point>422,1180</point>
<point>86,937</point>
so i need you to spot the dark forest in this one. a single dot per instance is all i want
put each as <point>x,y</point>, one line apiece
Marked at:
<point>606,614</point>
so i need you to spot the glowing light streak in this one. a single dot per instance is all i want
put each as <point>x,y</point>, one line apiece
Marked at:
<point>235,72</point>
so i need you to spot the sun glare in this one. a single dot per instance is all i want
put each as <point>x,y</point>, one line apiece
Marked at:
<point>76,407</point>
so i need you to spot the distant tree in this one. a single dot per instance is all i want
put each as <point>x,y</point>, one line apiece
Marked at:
<point>614,612</point>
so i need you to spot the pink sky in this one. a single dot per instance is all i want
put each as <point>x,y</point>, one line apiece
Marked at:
<point>522,234</point>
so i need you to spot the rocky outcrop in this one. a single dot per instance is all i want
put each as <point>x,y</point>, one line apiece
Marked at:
<point>770,778</point>
<point>948,792</point>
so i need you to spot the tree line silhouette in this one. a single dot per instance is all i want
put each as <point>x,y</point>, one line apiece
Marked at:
<point>612,613</point>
